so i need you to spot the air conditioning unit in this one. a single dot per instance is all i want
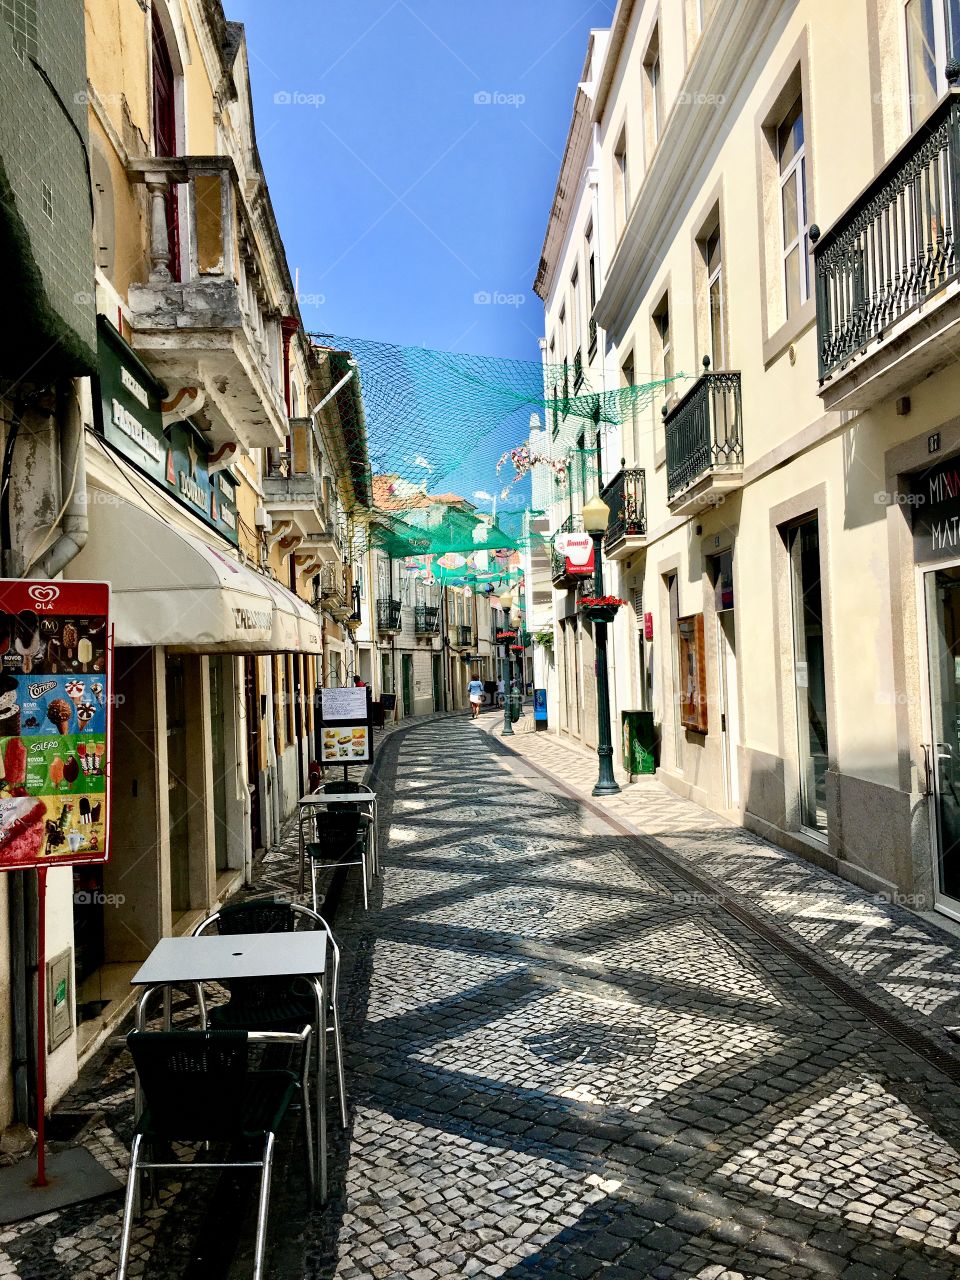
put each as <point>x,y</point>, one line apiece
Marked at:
<point>263,519</point>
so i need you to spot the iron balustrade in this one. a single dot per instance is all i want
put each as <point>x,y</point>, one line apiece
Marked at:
<point>426,619</point>
<point>704,430</point>
<point>626,496</point>
<point>464,636</point>
<point>566,388</point>
<point>389,614</point>
<point>895,246</point>
<point>577,370</point>
<point>592,335</point>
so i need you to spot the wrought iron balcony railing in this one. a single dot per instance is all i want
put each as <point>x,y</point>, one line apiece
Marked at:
<point>895,246</point>
<point>462,636</point>
<point>389,614</point>
<point>577,370</point>
<point>426,619</point>
<point>704,431</point>
<point>592,339</point>
<point>566,388</point>
<point>626,496</point>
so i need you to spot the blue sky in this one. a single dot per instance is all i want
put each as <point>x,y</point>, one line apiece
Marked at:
<point>400,196</point>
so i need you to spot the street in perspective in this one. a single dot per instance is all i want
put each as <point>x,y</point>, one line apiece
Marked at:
<point>480,640</point>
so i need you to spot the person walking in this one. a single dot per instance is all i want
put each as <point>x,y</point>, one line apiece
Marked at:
<point>475,694</point>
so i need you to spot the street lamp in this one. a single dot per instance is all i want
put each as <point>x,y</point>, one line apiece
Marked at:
<point>596,513</point>
<point>506,604</point>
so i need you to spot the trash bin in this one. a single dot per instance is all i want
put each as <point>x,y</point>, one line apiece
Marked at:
<point>638,742</point>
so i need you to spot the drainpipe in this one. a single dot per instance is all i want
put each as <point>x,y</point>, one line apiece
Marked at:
<point>74,523</point>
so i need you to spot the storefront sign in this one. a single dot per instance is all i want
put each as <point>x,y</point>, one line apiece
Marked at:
<point>175,458</point>
<point>648,626</point>
<point>934,499</point>
<point>577,551</point>
<point>55,701</point>
<point>345,726</point>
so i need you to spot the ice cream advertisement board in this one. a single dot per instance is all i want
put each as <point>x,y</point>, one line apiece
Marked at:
<point>55,700</point>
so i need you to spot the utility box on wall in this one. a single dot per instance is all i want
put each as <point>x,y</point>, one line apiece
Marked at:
<point>638,742</point>
<point>59,1000</point>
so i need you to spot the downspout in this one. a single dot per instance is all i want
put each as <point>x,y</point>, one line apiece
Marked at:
<point>74,523</point>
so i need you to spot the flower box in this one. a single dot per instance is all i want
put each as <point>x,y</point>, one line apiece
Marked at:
<point>601,608</point>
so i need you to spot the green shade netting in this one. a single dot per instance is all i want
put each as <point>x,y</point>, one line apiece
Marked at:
<point>466,451</point>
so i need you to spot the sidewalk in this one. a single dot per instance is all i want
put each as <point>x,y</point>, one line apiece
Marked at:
<point>905,963</point>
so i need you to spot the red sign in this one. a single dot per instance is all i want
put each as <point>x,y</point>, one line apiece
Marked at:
<point>55,712</point>
<point>577,549</point>
<point>648,626</point>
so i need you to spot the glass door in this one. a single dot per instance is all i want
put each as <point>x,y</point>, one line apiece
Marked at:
<point>942,593</point>
<point>803,544</point>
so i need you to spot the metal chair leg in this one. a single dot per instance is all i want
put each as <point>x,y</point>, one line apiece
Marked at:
<point>128,1207</point>
<point>338,1051</point>
<point>363,870</point>
<point>262,1208</point>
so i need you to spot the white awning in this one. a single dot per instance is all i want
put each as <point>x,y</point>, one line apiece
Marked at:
<point>295,623</point>
<point>173,589</point>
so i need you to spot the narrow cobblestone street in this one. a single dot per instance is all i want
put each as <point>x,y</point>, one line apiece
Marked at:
<point>567,1059</point>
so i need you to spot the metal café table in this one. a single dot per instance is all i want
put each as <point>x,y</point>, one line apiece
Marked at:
<point>318,799</point>
<point>189,962</point>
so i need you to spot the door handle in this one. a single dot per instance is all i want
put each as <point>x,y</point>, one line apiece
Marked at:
<point>926,788</point>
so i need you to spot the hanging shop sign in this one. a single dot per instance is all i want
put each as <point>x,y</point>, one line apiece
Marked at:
<point>55,703</point>
<point>345,726</point>
<point>648,626</point>
<point>176,458</point>
<point>693,674</point>
<point>577,551</point>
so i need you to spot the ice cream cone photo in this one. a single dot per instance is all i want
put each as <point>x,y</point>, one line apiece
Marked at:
<point>59,713</point>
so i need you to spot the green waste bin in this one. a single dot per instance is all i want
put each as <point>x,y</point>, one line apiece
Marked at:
<point>638,742</point>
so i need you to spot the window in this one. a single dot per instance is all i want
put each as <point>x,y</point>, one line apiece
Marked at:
<point>621,184</point>
<point>711,251</point>
<point>663,346</point>
<point>576,317</point>
<point>591,291</point>
<point>803,547</point>
<point>628,379</point>
<point>793,208</point>
<point>653,92</point>
<point>21,18</point>
<point>933,34</point>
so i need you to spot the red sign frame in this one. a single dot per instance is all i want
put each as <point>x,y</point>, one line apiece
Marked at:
<point>56,723</point>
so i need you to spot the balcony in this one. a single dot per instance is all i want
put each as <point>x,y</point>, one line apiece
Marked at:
<point>592,336</point>
<point>577,370</point>
<point>888,303</point>
<point>704,443</point>
<point>203,322</point>
<point>291,487</point>
<point>332,587</point>
<point>389,616</point>
<point>426,620</point>
<point>626,496</point>
<point>461,636</point>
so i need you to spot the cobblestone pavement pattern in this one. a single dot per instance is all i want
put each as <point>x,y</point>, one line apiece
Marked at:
<point>562,1062</point>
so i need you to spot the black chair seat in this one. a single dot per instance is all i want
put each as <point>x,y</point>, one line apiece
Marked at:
<point>287,1010</point>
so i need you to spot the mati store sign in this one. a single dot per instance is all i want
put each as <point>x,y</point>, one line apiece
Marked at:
<point>176,459</point>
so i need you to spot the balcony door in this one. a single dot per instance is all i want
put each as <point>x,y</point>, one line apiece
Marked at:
<point>165,129</point>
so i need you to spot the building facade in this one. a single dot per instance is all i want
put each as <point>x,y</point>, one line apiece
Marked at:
<point>782,523</point>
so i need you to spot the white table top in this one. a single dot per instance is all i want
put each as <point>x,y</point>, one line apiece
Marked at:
<point>219,957</point>
<point>338,797</point>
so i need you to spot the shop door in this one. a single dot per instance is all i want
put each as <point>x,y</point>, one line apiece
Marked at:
<point>729,706</point>
<point>178,791</point>
<point>218,711</point>
<point>252,716</point>
<point>942,597</point>
<point>406,677</point>
<point>437,682</point>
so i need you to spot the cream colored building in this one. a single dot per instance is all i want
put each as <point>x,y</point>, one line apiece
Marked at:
<point>775,186</point>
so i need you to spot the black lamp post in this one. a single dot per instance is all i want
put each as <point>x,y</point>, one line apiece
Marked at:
<point>596,514</point>
<point>506,604</point>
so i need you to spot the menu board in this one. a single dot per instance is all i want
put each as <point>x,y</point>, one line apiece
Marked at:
<point>345,726</point>
<point>55,700</point>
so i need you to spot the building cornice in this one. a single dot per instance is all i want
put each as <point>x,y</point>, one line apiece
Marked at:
<point>726,56</point>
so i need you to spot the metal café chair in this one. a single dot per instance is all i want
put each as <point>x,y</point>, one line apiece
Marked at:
<point>359,788</point>
<point>200,1088</point>
<point>337,836</point>
<point>278,1004</point>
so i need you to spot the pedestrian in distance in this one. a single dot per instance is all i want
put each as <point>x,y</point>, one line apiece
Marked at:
<point>475,694</point>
